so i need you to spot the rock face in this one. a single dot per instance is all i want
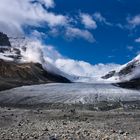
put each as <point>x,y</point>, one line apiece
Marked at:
<point>128,76</point>
<point>131,68</point>
<point>7,51</point>
<point>4,40</point>
<point>132,84</point>
<point>109,75</point>
<point>14,74</point>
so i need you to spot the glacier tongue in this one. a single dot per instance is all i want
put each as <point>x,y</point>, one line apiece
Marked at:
<point>68,93</point>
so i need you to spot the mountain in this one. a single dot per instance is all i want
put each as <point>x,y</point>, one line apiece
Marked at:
<point>14,71</point>
<point>4,40</point>
<point>127,76</point>
<point>14,74</point>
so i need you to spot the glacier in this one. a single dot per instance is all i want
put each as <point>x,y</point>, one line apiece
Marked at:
<point>85,93</point>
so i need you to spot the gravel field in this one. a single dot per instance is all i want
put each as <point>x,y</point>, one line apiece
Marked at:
<point>68,124</point>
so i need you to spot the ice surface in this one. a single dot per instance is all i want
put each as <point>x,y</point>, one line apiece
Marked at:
<point>68,93</point>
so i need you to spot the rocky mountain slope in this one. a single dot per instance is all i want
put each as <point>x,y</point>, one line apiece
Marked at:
<point>127,76</point>
<point>14,72</point>
<point>4,40</point>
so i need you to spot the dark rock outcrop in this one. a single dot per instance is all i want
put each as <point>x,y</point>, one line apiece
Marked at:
<point>109,75</point>
<point>126,71</point>
<point>14,74</point>
<point>4,40</point>
<point>132,84</point>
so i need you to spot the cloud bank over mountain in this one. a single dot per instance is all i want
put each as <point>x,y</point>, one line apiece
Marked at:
<point>19,14</point>
<point>48,55</point>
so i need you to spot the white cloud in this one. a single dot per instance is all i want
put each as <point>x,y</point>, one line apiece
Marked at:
<point>33,51</point>
<point>88,21</point>
<point>130,48</point>
<point>84,69</point>
<point>100,18</point>
<point>18,13</point>
<point>134,21</point>
<point>32,13</point>
<point>137,40</point>
<point>79,33</point>
<point>138,53</point>
<point>55,62</point>
<point>48,3</point>
<point>54,32</point>
<point>111,56</point>
<point>38,35</point>
<point>51,54</point>
<point>120,26</point>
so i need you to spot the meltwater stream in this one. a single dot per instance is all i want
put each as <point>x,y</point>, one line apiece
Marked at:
<point>67,93</point>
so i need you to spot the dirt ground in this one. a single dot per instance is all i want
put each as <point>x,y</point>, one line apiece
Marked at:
<point>68,124</point>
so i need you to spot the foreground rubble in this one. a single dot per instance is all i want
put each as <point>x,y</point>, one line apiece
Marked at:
<point>70,124</point>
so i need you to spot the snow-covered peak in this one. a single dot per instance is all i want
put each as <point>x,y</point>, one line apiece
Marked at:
<point>23,50</point>
<point>126,72</point>
<point>137,57</point>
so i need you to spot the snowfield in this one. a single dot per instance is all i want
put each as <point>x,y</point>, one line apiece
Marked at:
<point>85,93</point>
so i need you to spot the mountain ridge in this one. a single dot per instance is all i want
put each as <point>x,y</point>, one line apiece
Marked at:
<point>19,74</point>
<point>127,76</point>
<point>4,40</point>
<point>14,72</point>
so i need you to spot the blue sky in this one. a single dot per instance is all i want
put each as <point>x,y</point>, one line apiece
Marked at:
<point>113,44</point>
<point>95,31</point>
